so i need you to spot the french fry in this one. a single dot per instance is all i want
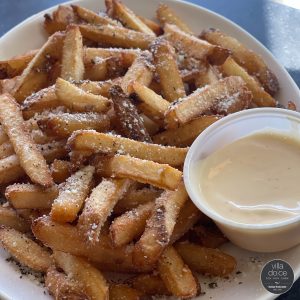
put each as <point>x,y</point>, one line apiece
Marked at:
<point>177,276</point>
<point>78,100</point>
<point>144,171</point>
<point>209,77</point>
<point>93,282</point>
<point>152,25</point>
<point>184,135</point>
<point>6,149</point>
<point>54,150</point>
<point>72,67</point>
<point>36,75</point>
<point>99,206</point>
<point>116,36</point>
<point>260,96</point>
<point>63,125</point>
<point>151,126</point>
<point>31,196</point>
<point>228,95</point>
<point>164,59</point>
<point>160,225</point>
<point>125,228</point>
<point>166,15</point>
<point>10,169</point>
<point>206,260</point>
<point>110,144</point>
<point>29,215</point>
<point>31,159</point>
<point>24,250</point>
<point>72,195</point>
<point>124,292</point>
<point>8,85</point>
<point>60,170</point>
<point>9,218</point>
<point>141,71</point>
<point>246,58</point>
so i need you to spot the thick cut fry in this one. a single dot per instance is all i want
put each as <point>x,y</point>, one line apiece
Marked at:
<point>72,67</point>
<point>110,144</point>
<point>9,218</point>
<point>99,206</point>
<point>60,170</point>
<point>141,71</point>
<point>160,225</point>
<point>209,77</point>
<point>130,225</point>
<point>177,276</point>
<point>249,60</point>
<point>144,171</point>
<point>226,96</point>
<point>31,159</point>
<point>63,125</point>
<point>36,75</point>
<point>152,25</point>
<point>54,150</point>
<point>25,251</point>
<point>72,195</point>
<point>151,126</point>
<point>30,196</point>
<point>166,15</point>
<point>93,282</point>
<point>123,292</point>
<point>260,96</point>
<point>165,63</point>
<point>184,135</point>
<point>10,169</point>
<point>116,36</point>
<point>206,260</point>
<point>6,149</point>
<point>128,121</point>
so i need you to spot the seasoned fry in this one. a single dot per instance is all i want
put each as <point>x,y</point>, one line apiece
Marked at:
<point>151,126</point>
<point>60,170</point>
<point>6,149</point>
<point>108,143</point>
<point>99,206</point>
<point>93,282</point>
<point>31,159</point>
<point>209,77</point>
<point>152,25</point>
<point>54,150</point>
<point>7,85</point>
<point>124,292</point>
<point>206,260</point>
<point>9,218</point>
<point>177,276</point>
<point>10,169</point>
<point>72,195</point>
<point>24,250</point>
<point>228,95</point>
<point>160,225</point>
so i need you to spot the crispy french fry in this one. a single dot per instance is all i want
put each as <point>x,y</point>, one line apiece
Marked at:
<point>151,126</point>
<point>10,169</point>
<point>9,218</point>
<point>152,25</point>
<point>7,85</point>
<point>209,77</point>
<point>110,144</point>
<point>130,225</point>
<point>206,260</point>
<point>60,170</point>
<point>124,292</point>
<point>160,225</point>
<point>30,157</point>
<point>99,206</point>
<point>72,67</point>
<point>24,250</point>
<point>30,196</point>
<point>93,282</point>
<point>72,195</point>
<point>177,276</point>
<point>228,95</point>
<point>54,150</point>
<point>6,149</point>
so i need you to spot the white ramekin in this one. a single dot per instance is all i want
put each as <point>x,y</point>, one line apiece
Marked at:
<point>255,237</point>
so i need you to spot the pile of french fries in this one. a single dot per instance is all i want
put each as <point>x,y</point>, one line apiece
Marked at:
<point>95,127</point>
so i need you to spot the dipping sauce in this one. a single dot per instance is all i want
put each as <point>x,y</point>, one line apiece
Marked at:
<point>254,180</point>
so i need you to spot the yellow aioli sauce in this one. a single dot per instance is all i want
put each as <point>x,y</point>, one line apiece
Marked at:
<point>254,180</point>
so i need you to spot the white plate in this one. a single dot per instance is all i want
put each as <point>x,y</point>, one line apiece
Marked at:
<point>30,35</point>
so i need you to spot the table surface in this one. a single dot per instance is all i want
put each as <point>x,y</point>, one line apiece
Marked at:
<point>273,23</point>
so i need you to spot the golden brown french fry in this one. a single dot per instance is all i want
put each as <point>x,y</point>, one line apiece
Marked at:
<point>10,169</point>
<point>245,57</point>
<point>9,218</point>
<point>209,77</point>
<point>166,15</point>
<point>99,205</point>
<point>26,195</point>
<point>226,96</point>
<point>60,170</point>
<point>78,100</point>
<point>206,260</point>
<point>93,282</point>
<point>260,96</point>
<point>7,85</point>
<point>6,149</point>
<point>110,144</point>
<point>184,135</point>
<point>124,292</point>
<point>151,126</point>
<point>72,67</point>
<point>125,228</point>
<point>63,125</point>
<point>31,159</point>
<point>160,225</point>
<point>72,195</point>
<point>24,249</point>
<point>152,25</point>
<point>116,36</point>
<point>54,150</point>
<point>164,59</point>
<point>177,276</point>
